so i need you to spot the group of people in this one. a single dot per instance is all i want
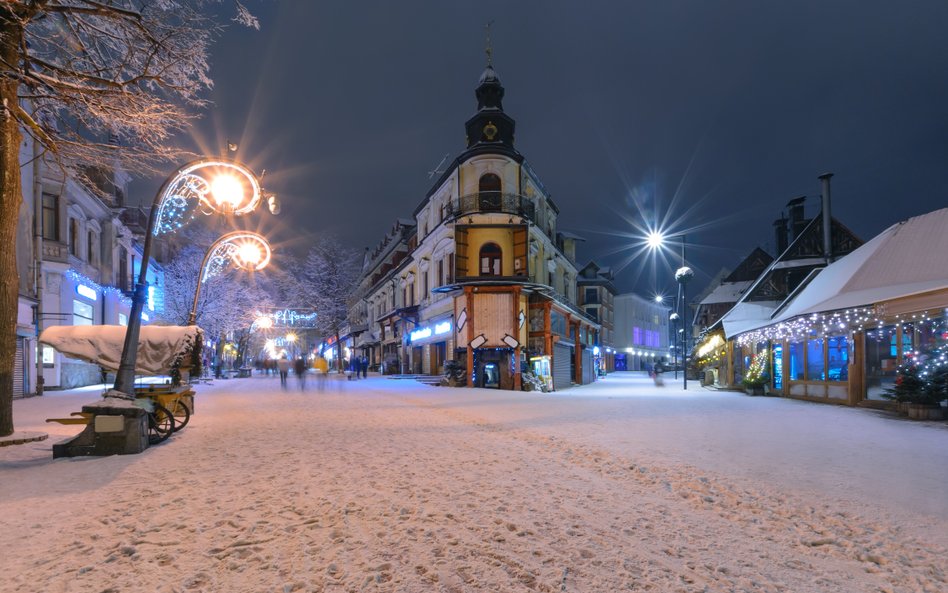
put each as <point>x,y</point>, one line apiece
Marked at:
<point>359,366</point>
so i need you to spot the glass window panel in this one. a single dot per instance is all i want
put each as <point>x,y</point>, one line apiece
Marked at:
<point>81,313</point>
<point>881,361</point>
<point>814,360</point>
<point>796,370</point>
<point>837,357</point>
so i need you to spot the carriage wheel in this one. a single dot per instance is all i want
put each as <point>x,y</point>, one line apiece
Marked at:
<point>181,413</point>
<point>160,424</point>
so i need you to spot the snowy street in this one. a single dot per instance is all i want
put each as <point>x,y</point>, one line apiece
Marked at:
<point>389,485</point>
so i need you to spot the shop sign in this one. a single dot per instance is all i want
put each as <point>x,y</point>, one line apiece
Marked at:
<point>426,332</point>
<point>85,291</point>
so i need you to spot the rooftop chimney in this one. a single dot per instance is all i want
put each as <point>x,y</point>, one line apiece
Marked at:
<point>797,220</point>
<point>780,235</point>
<point>827,218</point>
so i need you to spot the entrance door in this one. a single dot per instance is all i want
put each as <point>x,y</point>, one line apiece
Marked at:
<point>438,354</point>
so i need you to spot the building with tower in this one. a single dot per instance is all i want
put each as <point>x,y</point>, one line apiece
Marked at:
<point>486,279</point>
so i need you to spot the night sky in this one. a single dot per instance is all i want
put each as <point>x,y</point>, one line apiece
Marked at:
<point>705,116</point>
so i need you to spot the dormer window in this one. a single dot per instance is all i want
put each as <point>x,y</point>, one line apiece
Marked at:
<point>490,258</point>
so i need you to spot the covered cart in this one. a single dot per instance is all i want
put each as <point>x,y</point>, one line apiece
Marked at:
<point>162,350</point>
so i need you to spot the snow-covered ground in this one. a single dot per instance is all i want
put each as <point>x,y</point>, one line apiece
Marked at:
<point>383,485</point>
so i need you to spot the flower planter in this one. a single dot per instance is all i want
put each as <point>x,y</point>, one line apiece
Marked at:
<point>925,411</point>
<point>755,390</point>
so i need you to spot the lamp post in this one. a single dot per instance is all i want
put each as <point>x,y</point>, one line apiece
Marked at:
<point>683,275</point>
<point>207,185</point>
<point>245,249</point>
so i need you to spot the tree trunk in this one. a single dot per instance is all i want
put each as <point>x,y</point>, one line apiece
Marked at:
<point>11,194</point>
<point>339,352</point>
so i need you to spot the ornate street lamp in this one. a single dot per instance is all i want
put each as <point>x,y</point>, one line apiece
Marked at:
<point>244,249</point>
<point>207,185</point>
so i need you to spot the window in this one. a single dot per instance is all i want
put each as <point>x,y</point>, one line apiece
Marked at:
<point>450,268</point>
<point>74,237</point>
<point>814,360</point>
<point>490,257</point>
<point>50,217</point>
<point>591,297</point>
<point>81,313</point>
<point>90,248</point>
<point>424,293</point>
<point>837,357</point>
<point>49,356</point>
<point>796,361</point>
<point>123,319</point>
<point>489,191</point>
<point>123,269</point>
<point>440,272</point>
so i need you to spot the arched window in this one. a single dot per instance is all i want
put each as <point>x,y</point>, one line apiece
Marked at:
<point>491,257</point>
<point>74,237</point>
<point>489,190</point>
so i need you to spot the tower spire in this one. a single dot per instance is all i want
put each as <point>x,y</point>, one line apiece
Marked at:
<point>489,49</point>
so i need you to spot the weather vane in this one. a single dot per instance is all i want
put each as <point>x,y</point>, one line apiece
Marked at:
<point>489,50</point>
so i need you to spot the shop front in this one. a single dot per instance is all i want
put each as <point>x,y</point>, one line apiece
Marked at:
<point>430,344</point>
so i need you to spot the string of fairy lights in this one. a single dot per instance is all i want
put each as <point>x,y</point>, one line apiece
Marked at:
<point>79,278</point>
<point>834,323</point>
<point>181,203</point>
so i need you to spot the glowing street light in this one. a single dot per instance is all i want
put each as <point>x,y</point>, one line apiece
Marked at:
<point>184,192</point>
<point>655,240</point>
<point>244,249</point>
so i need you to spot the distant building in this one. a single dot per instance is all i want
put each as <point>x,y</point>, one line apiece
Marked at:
<point>597,292</point>
<point>642,333</point>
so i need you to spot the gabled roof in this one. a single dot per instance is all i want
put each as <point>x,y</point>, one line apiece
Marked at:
<point>726,292</point>
<point>761,301</point>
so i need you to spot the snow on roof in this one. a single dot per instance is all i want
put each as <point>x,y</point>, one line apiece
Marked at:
<point>746,316</point>
<point>726,292</point>
<point>905,259</point>
<point>158,345</point>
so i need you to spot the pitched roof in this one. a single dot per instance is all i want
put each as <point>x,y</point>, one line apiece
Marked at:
<point>905,259</point>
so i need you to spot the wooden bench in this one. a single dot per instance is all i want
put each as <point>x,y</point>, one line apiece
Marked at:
<point>75,418</point>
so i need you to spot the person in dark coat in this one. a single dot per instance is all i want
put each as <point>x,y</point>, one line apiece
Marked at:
<point>364,366</point>
<point>299,367</point>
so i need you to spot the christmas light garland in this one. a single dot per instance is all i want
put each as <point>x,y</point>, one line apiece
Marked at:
<point>79,278</point>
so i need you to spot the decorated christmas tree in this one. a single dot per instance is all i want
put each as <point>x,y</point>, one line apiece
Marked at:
<point>756,375</point>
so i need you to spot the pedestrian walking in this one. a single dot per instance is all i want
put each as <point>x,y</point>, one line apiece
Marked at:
<point>299,367</point>
<point>657,374</point>
<point>364,366</point>
<point>283,365</point>
<point>321,366</point>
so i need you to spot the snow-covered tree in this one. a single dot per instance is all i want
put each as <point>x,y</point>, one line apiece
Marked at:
<point>326,280</point>
<point>228,301</point>
<point>75,74</point>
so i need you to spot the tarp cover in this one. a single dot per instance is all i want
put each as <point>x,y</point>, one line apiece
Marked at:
<point>158,345</point>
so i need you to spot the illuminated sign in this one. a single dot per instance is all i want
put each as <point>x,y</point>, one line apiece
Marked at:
<point>420,334</point>
<point>151,298</point>
<point>426,332</point>
<point>89,293</point>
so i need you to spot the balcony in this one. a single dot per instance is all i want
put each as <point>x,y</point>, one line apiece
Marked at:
<point>493,201</point>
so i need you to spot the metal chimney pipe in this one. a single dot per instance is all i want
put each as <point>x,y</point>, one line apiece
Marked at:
<point>827,218</point>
